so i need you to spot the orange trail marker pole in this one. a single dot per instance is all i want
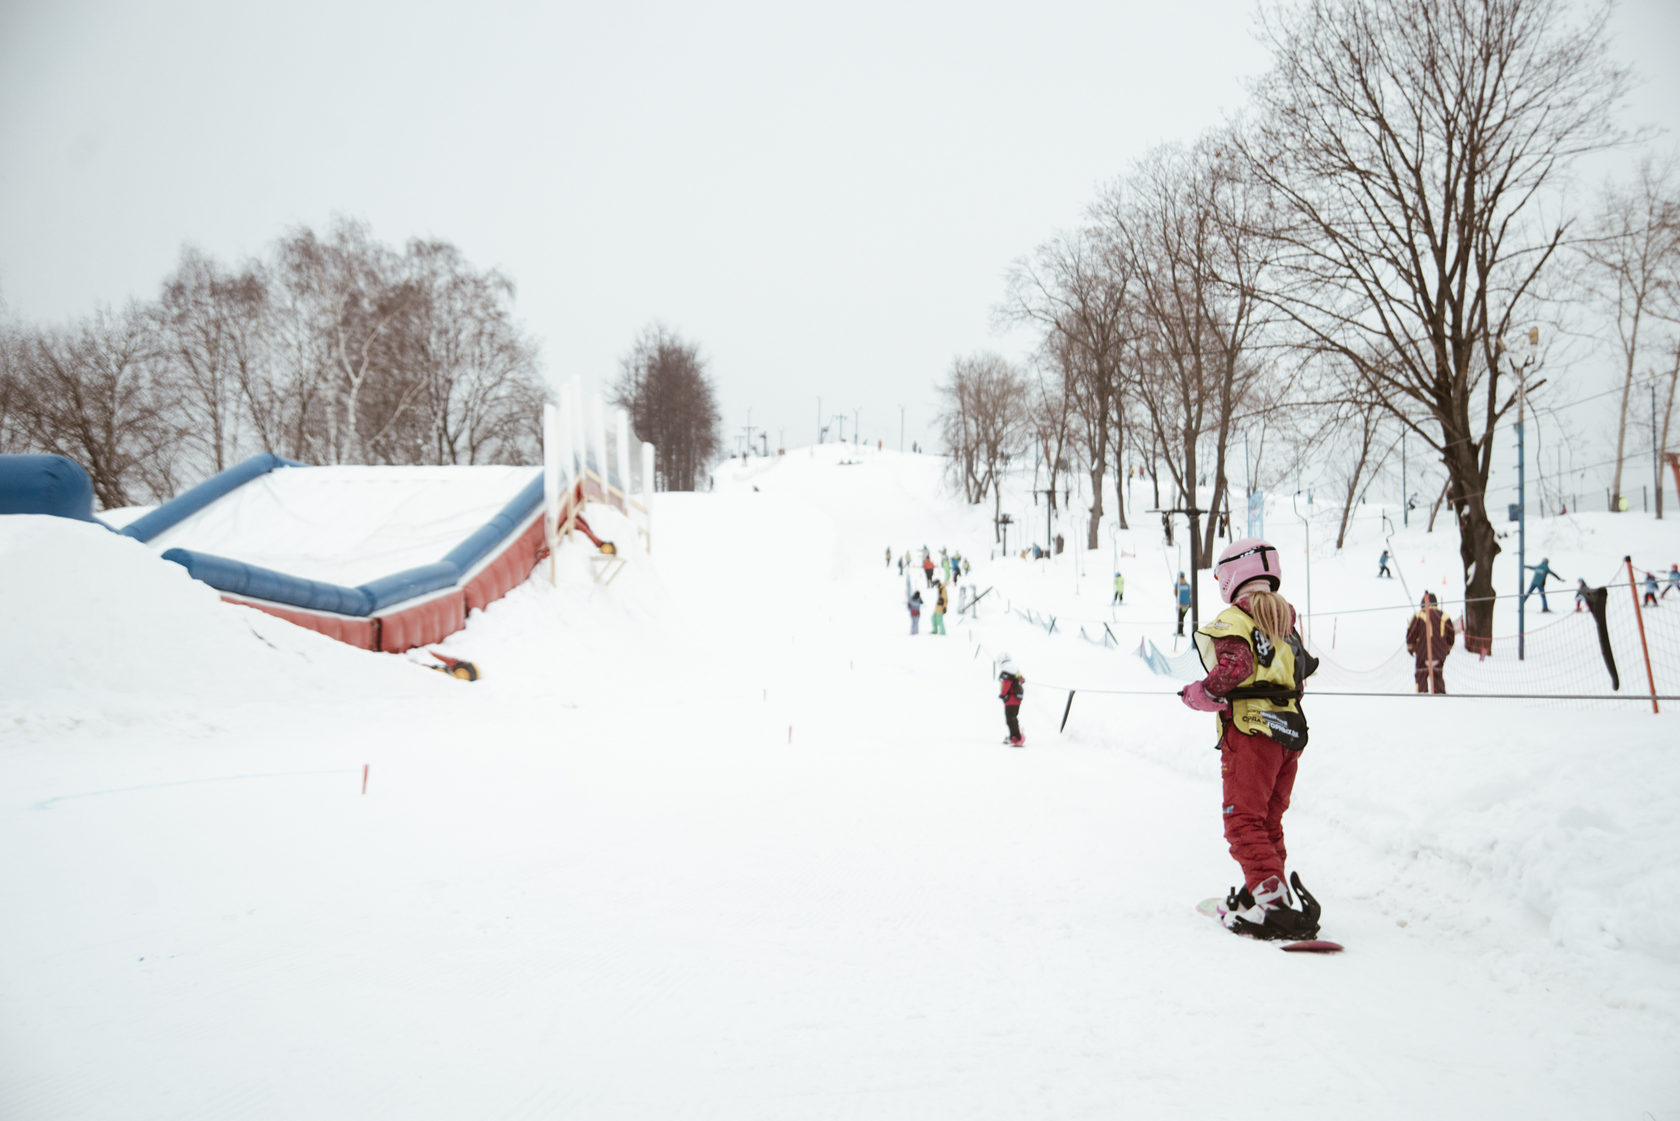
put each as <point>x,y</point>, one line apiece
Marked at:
<point>364,777</point>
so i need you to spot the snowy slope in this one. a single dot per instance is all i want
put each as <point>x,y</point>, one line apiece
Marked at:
<point>722,840</point>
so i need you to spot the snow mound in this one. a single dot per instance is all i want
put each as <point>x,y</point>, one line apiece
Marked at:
<point>90,611</point>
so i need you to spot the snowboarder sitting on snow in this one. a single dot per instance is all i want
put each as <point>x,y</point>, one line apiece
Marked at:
<point>1429,640</point>
<point>1012,687</point>
<point>1256,665</point>
<point>1538,584</point>
<point>915,605</point>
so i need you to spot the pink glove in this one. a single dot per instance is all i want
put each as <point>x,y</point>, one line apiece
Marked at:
<point>1197,697</point>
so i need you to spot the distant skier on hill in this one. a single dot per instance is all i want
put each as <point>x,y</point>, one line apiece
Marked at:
<point>1541,572</point>
<point>1012,688</point>
<point>1256,665</point>
<point>1119,588</point>
<point>1650,590</point>
<point>927,566</point>
<point>1382,565</point>
<point>1182,591</point>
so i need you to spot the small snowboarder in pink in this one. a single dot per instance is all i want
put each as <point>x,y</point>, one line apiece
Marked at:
<point>1011,688</point>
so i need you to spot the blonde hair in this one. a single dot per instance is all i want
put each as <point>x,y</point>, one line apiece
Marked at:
<point>1271,612</point>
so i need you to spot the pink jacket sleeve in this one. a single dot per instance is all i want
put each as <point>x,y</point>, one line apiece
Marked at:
<point>1235,663</point>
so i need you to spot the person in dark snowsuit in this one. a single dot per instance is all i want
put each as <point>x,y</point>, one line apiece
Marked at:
<point>1429,639</point>
<point>1011,688</point>
<point>1256,666</point>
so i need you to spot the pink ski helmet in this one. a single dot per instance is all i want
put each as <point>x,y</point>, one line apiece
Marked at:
<point>1242,561</point>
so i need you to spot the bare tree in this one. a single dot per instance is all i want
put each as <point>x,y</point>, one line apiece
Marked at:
<point>13,437</point>
<point>204,320</point>
<point>1193,228</point>
<point>1411,143</point>
<point>1634,249</point>
<point>88,393</point>
<point>1074,289</point>
<point>1049,417</point>
<point>354,297</point>
<point>663,386</point>
<point>983,420</point>
<point>479,371</point>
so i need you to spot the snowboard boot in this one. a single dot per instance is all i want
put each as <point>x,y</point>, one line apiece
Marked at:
<point>1268,912</point>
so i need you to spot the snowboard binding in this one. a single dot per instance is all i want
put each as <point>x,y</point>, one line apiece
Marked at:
<point>1278,923</point>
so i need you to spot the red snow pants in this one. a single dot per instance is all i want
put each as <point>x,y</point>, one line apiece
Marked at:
<point>1258,775</point>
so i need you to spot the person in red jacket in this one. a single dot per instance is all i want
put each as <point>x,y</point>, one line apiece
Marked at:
<point>1011,688</point>
<point>1256,664</point>
<point>927,566</point>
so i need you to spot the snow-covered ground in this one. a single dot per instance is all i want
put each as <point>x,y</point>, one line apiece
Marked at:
<point>722,840</point>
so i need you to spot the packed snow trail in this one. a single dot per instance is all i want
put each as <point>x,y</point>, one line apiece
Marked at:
<point>602,883</point>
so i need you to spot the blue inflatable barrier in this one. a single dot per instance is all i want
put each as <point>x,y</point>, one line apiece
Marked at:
<point>252,580</point>
<point>410,584</point>
<point>45,484</point>
<point>184,506</point>
<point>476,547</point>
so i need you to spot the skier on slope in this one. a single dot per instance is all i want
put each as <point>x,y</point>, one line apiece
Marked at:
<point>1256,665</point>
<point>1538,584</point>
<point>1011,688</point>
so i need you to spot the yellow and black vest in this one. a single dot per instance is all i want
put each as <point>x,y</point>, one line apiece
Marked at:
<point>1268,702</point>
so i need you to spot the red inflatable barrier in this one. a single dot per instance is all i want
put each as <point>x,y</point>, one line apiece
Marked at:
<point>431,620</point>
<point>360,633</point>
<point>510,568</point>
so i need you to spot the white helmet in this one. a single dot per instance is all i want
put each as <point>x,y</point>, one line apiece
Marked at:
<point>1006,664</point>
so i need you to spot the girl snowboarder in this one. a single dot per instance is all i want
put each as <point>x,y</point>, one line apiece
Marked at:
<point>1256,665</point>
<point>1011,688</point>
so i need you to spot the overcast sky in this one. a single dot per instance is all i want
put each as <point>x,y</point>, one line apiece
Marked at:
<point>824,200</point>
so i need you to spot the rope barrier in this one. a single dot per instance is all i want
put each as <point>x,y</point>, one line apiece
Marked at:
<point>1314,694</point>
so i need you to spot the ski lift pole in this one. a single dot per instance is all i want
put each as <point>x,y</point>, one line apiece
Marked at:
<point>1308,529</point>
<point>1644,646</point>
<point>1194,513</point>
